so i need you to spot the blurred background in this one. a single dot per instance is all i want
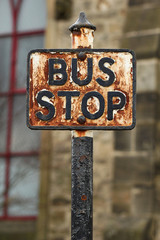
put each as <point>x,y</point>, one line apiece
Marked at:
<point>35,167</point>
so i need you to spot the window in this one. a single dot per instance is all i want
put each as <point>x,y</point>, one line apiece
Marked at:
<point>22,24</point>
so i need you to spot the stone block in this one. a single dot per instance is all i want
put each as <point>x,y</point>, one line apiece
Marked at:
<point>59,137</point>
<point>63,9</point>
<point>145,137</point>
<point>144,46</point>
<point>99,218</point>
<point>158,137</point>
<point>17,236</point>
<point>61,201</point>
<point>58,217</point>
<point>124,234</point>
<point>157,203</point>
<point>157,188</point>
<point>142,19</point>
<point>78,6</point>
<point>157,170</point>
<point>158,110</point>
<point>147,75</point>
<point>95,7</point>
<point>130,170</point>
<point>121,199</point>
<point>122,140</point>
<point>103,144</point>
<point>147,106</point>
<point>135,2</point>
<point>142,200</point>
<point>158,77</point>
<point>139,2</point>
<point>127,229</point>
<point>17,227</point>
<point>58,238</point>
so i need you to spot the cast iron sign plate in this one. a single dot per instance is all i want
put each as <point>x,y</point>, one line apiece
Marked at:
<point>81,89</point>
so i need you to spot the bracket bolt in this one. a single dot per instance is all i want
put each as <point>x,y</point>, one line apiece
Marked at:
<point>82,56</point>
<point>81,119</point>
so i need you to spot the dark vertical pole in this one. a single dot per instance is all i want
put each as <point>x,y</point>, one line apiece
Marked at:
<point>82,150</point>
<point>82,188</point>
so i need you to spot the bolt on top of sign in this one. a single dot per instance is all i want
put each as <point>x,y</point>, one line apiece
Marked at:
<point>81,89</point>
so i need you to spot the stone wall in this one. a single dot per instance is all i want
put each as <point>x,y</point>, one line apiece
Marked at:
<point>18,230</point>
<point>126,163</point>
<point>135,189</point>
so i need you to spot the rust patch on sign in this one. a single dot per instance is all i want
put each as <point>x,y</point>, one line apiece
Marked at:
<point>38,81</point>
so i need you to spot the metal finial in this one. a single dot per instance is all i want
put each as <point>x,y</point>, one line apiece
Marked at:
<point>82,21</point>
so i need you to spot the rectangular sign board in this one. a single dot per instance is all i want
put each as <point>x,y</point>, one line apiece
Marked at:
<point>81,89</point>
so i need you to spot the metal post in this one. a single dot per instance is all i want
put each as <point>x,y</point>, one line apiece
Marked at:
<point>82,184</point>
<point>82,33</point>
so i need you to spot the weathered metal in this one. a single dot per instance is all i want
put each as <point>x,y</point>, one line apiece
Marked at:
<point>82,77</point>
<point>82,32</point>
<point>81,119</point>
<point>82,56</point>
<point>82,38</point>
<point>82,150</point>
<point>82,22</point>
<point>82,187</point>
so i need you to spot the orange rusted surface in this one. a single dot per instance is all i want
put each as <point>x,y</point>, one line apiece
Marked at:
<point>81,133</point>
<point>38,80</point>
<point>82,38</point>
<point>84,197</point>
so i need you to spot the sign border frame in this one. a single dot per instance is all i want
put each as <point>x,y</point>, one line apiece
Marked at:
<point>80,127</point>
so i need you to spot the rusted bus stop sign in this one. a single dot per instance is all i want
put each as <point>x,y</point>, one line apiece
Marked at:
<point>81,89</point>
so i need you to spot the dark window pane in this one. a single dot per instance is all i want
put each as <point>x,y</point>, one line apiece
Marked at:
<point>32,15</point>
<point>24,46</point>
<point>3,123</point>
<point>24,187</point>
<point>2,184</point>
<point>5,54</point>
<point>5,17</point>
<point>23,139</point>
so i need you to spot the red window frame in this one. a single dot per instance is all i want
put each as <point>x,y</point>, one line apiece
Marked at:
<point>14,35</point>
